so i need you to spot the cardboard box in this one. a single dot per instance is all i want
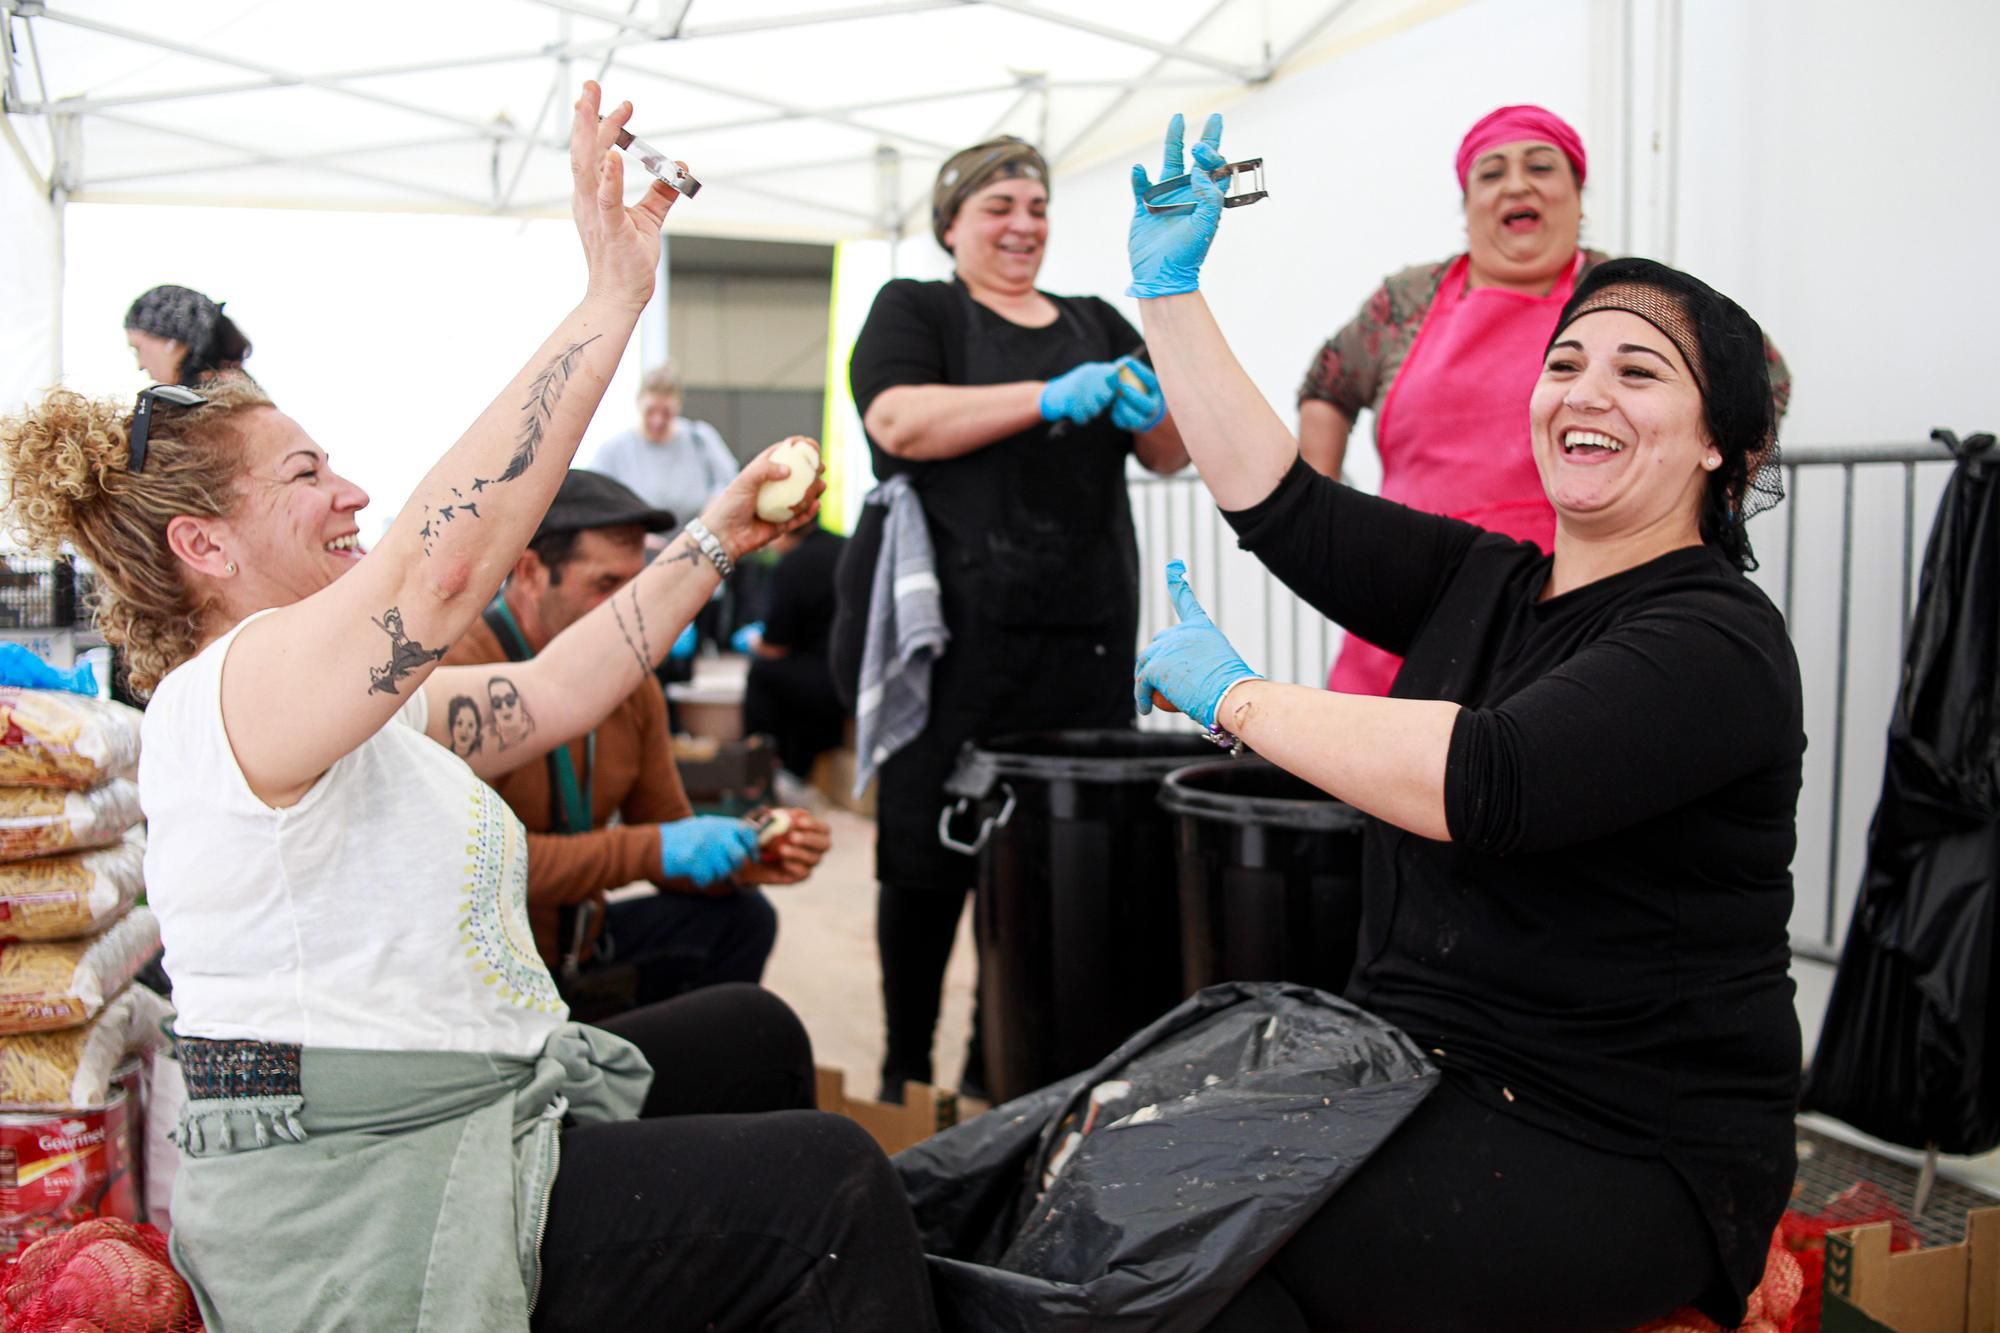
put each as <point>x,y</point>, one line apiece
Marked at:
<point>833,774</point>
<point>725,777</point>
<point>709,708</point>
<point>1945,1289</point>
<point>925,1110</point>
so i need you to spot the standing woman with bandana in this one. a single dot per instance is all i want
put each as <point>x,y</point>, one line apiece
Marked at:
<point>181,337</point>
<point>1005,407</point>
<point>1446,354</point>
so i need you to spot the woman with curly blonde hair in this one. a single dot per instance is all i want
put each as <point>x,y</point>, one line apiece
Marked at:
<point>374,1050</point>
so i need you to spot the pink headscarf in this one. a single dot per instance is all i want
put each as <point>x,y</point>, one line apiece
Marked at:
<point>1512,124</point>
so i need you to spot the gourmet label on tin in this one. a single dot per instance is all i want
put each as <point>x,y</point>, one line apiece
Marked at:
<point>59,1168</point>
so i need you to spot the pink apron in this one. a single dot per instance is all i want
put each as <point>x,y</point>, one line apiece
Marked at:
<point>1453,432</point>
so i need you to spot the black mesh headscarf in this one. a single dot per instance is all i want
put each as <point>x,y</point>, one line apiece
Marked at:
<point>1725,349</point>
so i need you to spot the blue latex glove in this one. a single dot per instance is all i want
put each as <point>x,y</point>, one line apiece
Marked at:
<point>1190,664</point>
<point>1080,394</point>
<point>18,666</point>
<point>746,639</point>
<point>1138,409</point>
<point>685,644</point>
<point>1167,248</point>
<point>705,848</point>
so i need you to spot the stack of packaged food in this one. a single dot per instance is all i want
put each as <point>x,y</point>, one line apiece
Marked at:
<point>75,1031</point>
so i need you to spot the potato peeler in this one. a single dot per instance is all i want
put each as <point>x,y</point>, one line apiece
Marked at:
<point>1229,173</point>
<point>659,165</point>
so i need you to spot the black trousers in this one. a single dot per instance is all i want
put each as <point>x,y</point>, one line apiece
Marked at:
<point>915,927</point>
<point>730,1205</point>
<point>1472,1219</point>
<point>792,700</point>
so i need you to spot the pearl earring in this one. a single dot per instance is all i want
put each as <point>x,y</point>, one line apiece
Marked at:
<point>1711,463</point>
<point>231,566</point>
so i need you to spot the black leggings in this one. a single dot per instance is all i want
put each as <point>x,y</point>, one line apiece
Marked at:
<point>915,927</point>
<point>732,1205</point>
<point>1469,1218</point>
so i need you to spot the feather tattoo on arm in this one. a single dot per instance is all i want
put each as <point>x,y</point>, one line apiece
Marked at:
<point>543,394</point>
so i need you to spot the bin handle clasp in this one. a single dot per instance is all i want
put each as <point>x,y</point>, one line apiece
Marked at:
<point>946,815</point>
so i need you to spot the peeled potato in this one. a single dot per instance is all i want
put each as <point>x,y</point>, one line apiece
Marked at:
<point>1125,373</point>
<point>776,825</point>
<point>778,501</point>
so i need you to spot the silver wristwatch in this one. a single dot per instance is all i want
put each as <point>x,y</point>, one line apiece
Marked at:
<point>711,546</point>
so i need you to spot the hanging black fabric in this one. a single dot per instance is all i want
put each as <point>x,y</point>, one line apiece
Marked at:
<point>1908,1051</point>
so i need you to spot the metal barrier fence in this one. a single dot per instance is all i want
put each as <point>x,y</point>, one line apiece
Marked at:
<point>1840,560</point>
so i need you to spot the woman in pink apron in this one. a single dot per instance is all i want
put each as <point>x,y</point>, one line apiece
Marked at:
<point>1446,354</point>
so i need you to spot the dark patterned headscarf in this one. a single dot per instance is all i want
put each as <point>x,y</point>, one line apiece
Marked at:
<point>970,170</point>
<point>214,344</point>
<point>180,313</point>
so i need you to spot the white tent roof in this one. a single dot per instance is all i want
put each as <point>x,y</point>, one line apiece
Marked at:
<point>808,118</point>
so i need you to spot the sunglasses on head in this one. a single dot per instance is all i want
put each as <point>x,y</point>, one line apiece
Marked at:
<point>142,416</point>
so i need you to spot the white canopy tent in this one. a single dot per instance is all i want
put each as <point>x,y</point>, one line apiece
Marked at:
<point>811,117</point>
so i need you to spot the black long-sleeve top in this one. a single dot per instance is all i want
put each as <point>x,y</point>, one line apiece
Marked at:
<point>1602,947</point>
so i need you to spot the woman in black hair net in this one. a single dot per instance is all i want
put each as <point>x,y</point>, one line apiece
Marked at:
<point>181,337</point>
<point>1583,791</point>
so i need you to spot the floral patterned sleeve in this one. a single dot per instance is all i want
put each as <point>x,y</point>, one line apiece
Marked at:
<point>1781,382</point>
<point>1355,367</point>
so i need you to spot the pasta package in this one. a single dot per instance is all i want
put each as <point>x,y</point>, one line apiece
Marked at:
<point>35,821</point>
<point>79,893</point>
<point>51,984</point>
<point>75,1066</point>
<point>50,738</point>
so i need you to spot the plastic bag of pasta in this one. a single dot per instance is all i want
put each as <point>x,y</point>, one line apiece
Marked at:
<point>74,1067</point>
<point>49,738</point>
<point>79,893</point>
<point>50,984</point>
<point>35,821</point>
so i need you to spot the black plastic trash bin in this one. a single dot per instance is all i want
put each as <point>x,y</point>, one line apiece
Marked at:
<point>1078,930</point>
<point>1269,873</point>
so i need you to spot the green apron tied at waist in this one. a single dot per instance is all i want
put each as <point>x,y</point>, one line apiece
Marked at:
<point>396,1189</point>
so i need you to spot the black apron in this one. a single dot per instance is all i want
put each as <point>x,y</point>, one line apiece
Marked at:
<point>1038,567</point>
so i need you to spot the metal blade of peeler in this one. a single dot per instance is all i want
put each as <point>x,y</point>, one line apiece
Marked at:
<point>659,165</point>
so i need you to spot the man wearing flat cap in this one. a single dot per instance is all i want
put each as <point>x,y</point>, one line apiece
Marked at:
<point>700,927</point>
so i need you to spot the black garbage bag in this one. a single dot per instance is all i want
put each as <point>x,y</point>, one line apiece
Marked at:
<point>1144,1192</point>
<point>1908,1052</point>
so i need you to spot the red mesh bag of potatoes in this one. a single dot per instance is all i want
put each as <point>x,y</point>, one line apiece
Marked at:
<point>102,1276</point>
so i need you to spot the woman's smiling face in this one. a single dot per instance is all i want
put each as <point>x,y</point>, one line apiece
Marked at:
<point>1619,433</point>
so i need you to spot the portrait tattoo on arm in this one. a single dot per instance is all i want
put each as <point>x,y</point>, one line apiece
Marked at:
<point>405,655</point>
<point>512,723</point>
<point>465,727</point>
